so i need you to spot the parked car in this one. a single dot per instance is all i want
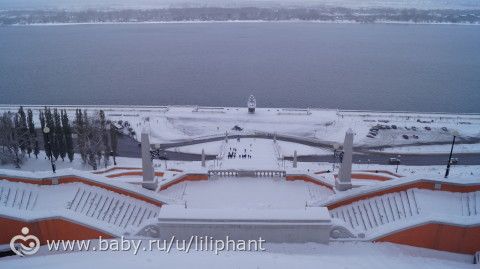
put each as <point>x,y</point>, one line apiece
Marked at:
<point>394,161</point>
<point>454,161</point>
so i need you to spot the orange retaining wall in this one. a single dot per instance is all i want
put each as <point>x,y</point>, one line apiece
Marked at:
<point>48,229</point>
<point>381,171</point>
<point>188,177</point>
<point>115,168</point>
<point>307,179</point>
<point>368,176</point>
<point>129,168</point>
<point>440,237</point>
<point>73,179</point>
<point>429,185</point>
<point>132,173</point>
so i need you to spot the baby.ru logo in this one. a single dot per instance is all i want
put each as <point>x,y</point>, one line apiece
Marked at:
<point>27,244</point>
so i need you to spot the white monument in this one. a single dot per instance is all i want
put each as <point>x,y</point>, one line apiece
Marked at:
<point>149,180</point>
<point>344,180</point>
<point>252,104</point>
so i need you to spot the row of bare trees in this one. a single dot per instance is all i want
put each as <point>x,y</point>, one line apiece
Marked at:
<point>96,137</point>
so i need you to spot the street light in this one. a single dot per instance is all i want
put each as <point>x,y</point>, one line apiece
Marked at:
<point>336,146</point>
<point>46,131</point>
<point>455,134</point>
<point>398,163</point>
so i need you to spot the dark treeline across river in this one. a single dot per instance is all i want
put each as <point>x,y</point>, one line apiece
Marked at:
<point>284,64</point>
<point>329,14</point>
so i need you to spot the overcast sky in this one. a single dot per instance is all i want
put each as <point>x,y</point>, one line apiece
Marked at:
<point>119,4</point>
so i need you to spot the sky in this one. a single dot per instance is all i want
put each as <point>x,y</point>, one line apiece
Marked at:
<point>143,4</point>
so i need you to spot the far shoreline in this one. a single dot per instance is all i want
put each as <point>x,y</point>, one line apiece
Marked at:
<point>241,21</point>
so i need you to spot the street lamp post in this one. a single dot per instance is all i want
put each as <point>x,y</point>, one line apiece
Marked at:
<point>46,131</point>
<point>336,146</point>
<point>157,150</point>
<point>455,134</point>
<point>398,163</point>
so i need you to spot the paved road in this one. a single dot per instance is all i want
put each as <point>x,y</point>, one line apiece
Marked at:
<point>128,147</point>
<point>405,159</point>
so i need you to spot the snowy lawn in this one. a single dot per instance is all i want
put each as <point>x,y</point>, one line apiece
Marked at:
<point>43,164</point>
<point>288,148</point>
<point>210,148</point>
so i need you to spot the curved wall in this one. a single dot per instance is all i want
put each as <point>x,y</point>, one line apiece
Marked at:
<point>438,236</point>
<point>187,177</point>
<point>48,229</point>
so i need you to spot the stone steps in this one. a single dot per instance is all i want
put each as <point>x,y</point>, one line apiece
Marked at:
<point>111,208</point>
<point>20,197</point>
<point>368,214</point>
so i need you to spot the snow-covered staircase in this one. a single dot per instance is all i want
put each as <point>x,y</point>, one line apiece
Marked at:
<point>111,208</point>
<point>365,215</point>
<point>388,213</point>
<point>21,197</point>
<point>470,203</point>
<point>93,206</point>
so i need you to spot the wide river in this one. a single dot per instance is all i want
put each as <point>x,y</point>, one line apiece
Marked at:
<point>284,64</point>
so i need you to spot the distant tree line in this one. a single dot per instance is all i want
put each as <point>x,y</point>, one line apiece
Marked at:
<point>362,15</point>
<point>96,137</point>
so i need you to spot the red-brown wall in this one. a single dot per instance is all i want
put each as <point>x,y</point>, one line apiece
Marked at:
<point>132,173</point>
<point>440,237</point>
<point>188,177</point>
<point>368,176</point>
<point>307,179</point>
<point>49,229</point>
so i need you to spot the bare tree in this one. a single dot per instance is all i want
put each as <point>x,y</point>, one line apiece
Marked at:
<point>91,138</point>
<point>10,151</point>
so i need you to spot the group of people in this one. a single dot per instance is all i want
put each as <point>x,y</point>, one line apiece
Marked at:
<point>232,153</point>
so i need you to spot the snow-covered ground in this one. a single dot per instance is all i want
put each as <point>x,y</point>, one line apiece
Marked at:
<point>249,154</point>
<point>286,148</point>
<point>258,193</point>
<point>333,256</point>
<point>184,123</point>
<point>210,148</point>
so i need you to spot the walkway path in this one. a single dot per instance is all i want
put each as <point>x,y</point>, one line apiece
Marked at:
<point>249,153</point>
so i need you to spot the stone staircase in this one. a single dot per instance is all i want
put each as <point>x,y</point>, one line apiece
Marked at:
<point>108,207</point>
<point>20,197</point>
<point>366,215</point>
<point>470,203</point>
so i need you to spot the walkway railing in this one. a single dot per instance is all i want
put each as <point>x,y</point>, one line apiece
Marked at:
<point>246,173</point>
